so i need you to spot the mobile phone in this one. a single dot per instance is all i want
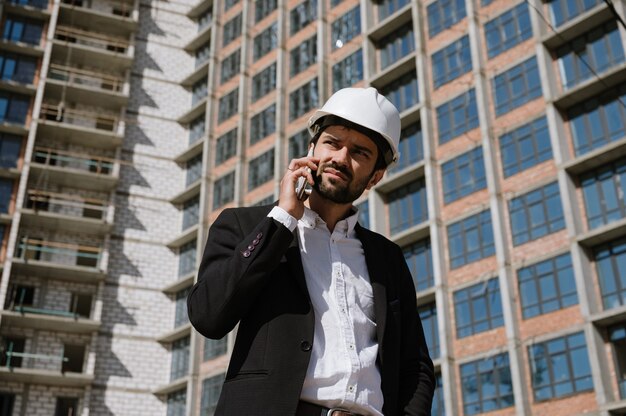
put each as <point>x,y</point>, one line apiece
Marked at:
<point>303,187</point>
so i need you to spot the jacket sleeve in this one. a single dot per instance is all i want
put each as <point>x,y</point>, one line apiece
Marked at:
<point>417,375</point>
<point>235,268</point>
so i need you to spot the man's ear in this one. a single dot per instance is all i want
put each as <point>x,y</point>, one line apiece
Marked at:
<point>376,177</point>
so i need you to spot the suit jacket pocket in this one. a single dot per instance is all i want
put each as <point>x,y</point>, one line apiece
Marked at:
<point>247,375</point>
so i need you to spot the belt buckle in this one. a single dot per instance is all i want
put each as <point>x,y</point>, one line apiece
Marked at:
<point>331,412</point>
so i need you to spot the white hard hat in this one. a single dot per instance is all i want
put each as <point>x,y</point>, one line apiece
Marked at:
<point>367,108</point>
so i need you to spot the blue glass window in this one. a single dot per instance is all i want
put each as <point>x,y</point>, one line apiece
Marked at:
<point>199,91</point>
<point>487,385</point>
<point>536,214</point>
<point>617,337</point>
<point>547,286</point>
<point>18,29</point>
<point>364,214</point>
<point>444,13</point>
<point>224,190</point>
<point>507,30</point>
<point>348,71</point>
<point>463,175</point>
<point>261,169</point>
<point>18,68</point>
<point>303,99</point>
<point>438,407</point>
<point>452,61</point>
<point>263,124</point>
<point>191,212</point>
<point>478,308</point>
<point>264,82</point>
<point>407,206</point>
<point>214,348</point>
<point>418,257</point>
<point>211,390</point>
<point>396,45</point>
<point>516,86</point>
<point>187,258</point>
<point>604,191</point>
<point>403,92</point>
<point>303,56</point>
<point>599,120</point>
<point>611,266</point>
<point>196,128</point>
<point>230,66</point>
<point>228,105</point>
<point>388,7</point>
<point>411,147</point>
<point>225,147</point>
<point>590,54</point>
<point>232,30</point>
<point>265,42</point>
<point>13,108</point>
<point>346,28</point>
<point>180,317</point>
<point>6,193</point>
<point>193,169</point>
<point>428,316</point>
<point>262,9</point>
<point>562,11</point>
<point>10,146</point>
<point>560,367</point>
<point>302,15</point>
<point>176,403</point>
<point>180,358</point>
<point>202,55</point>
<point>457,116</point>
<point>470,239</point>
<point>299,144</point>
<point>525,147</point>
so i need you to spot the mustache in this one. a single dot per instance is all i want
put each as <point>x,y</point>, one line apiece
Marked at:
<point>337,167</point>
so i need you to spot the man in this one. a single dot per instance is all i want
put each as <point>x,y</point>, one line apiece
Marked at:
<point>326,309</point>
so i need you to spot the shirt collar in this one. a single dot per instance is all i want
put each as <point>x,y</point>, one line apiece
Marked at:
<point>311,219</point>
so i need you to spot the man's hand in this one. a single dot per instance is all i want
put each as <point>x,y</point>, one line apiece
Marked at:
<point>288,200</point>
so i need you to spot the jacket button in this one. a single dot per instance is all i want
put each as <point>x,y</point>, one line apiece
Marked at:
<point>259,236</point>
<point>246,254</point>
<point>305,346</point>
<point>251,247</point>
<point>256,241</point>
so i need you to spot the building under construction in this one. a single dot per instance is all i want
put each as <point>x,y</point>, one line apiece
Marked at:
<point>127,126</point>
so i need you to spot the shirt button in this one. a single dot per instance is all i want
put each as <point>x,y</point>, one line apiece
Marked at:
<point>351,388</point>
<point>305,346</point>
<point>351,346</point>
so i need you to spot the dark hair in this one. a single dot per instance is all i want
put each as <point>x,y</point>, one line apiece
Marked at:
<point>385,153</point>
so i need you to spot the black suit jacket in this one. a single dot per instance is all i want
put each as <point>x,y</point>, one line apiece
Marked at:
<point>251,273</point>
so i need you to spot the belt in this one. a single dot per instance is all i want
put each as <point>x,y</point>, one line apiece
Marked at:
<point>310,409</point>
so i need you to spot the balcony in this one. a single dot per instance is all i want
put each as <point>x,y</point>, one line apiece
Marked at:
<point>49,320</point>
<point>63,261</point>
<point>92,48</point>
<point>101,12</point>
<point>87,87</point>
<point>95,129</point>
<point>79,170</point>
<point>46,369</point>
<point>66,212</point>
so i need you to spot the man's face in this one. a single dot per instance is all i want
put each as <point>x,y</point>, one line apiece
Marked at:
<point>346,167</point>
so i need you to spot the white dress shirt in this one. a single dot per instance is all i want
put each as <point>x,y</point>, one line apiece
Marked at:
<point>342,371</point>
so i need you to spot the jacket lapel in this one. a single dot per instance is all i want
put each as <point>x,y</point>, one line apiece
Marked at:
<point>378,276</point>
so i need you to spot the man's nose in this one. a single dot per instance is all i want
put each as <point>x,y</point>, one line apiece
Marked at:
<point>341,156</point>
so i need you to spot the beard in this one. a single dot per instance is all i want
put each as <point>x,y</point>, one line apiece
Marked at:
<point>338,191</point>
